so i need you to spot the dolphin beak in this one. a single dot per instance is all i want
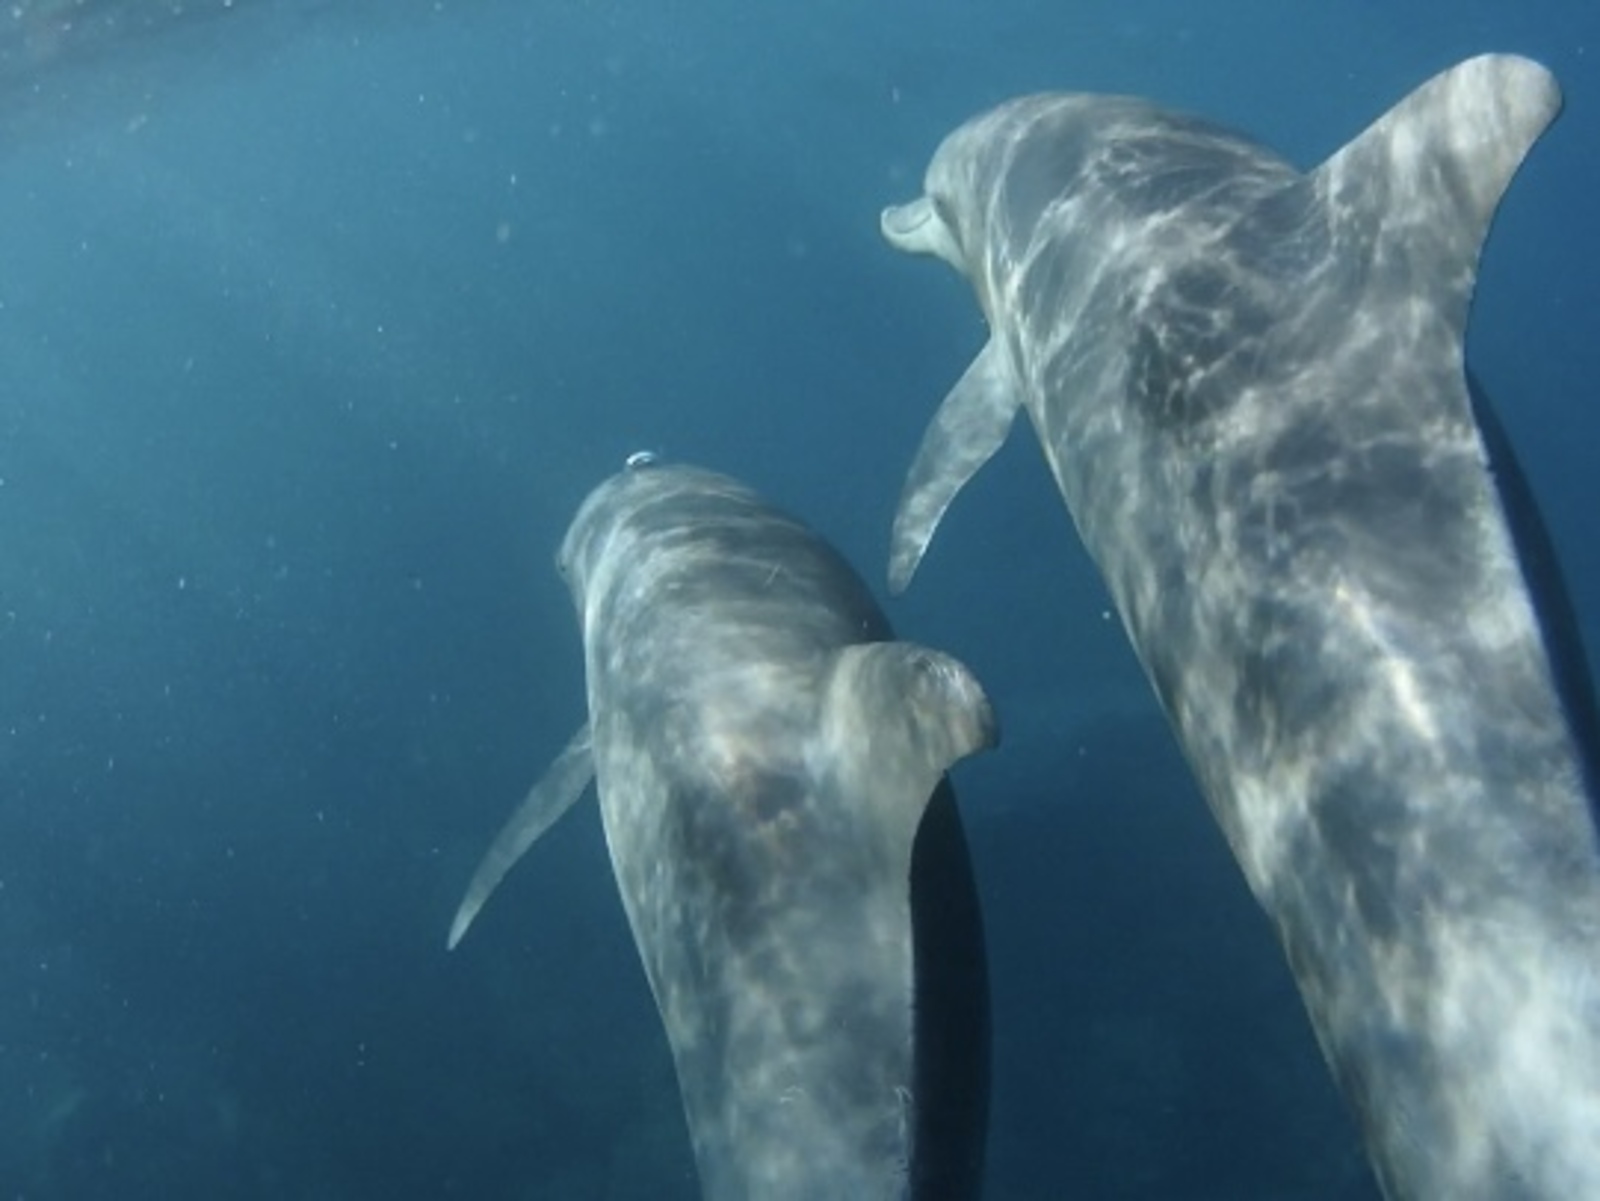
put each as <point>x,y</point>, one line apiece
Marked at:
<point>900,222</point>
<point>917,228</point>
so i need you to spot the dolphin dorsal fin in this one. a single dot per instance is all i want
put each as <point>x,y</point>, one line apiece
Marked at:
<point>1424,180</point>
<point>552,796</point>
<point>895,716</point>
<point>969,427</point>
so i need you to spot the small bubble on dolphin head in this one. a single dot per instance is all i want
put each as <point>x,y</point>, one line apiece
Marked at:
<point>640,458</point>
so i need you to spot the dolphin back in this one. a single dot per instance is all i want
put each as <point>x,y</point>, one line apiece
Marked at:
<point>814,943</point>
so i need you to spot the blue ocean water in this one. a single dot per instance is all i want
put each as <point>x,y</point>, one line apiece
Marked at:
<point>317,321</point>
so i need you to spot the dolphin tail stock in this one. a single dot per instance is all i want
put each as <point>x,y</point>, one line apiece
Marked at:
<point>895,717</point>
<point>1431,171</point>
<point>970,425</point>
<point>552,796</point>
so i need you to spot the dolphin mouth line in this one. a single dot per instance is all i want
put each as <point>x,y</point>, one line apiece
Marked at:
<point>901,222</point>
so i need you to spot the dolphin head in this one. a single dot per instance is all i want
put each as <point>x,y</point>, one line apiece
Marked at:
<point>942,222</point>
<point>602,518</point>
<point>619,522</point>
<point>990,183</point>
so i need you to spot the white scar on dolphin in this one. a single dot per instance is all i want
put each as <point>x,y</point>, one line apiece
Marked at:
<point>770,769</point>
<point>1248,383</point>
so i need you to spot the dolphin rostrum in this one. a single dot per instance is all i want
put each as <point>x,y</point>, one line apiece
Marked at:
<point>770,769</point>
<point>1248,382</point>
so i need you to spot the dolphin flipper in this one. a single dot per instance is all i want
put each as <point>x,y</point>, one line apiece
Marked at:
<point>552,796</point>
<point>969,427</point>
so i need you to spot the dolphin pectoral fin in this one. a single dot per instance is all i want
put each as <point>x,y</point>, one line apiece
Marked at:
<point>552,796</point>
<point>1429,174</point>
<point>895,717</point>
<point>969,427</point>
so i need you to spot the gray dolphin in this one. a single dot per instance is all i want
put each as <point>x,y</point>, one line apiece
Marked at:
<point>1248,383</point>
<point>771,778</point>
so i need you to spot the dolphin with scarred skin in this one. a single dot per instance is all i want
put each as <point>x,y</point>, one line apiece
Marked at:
<point>1248,383</point>
<point>770,767</point>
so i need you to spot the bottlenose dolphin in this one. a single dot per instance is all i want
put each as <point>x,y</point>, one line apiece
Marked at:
<point>1249,385</point>
<point>771,778</point>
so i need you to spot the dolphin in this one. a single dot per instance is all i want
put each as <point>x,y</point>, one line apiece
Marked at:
<point>1248,382</point>
<point>770,767</point>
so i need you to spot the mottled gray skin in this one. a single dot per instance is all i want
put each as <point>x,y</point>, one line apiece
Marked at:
<point>763,757</point>
<point>1248,383</point>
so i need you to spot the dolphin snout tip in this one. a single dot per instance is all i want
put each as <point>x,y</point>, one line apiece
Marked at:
<point>897,221</point>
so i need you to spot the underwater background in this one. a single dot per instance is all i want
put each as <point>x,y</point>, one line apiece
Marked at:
<point>317,322</point>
